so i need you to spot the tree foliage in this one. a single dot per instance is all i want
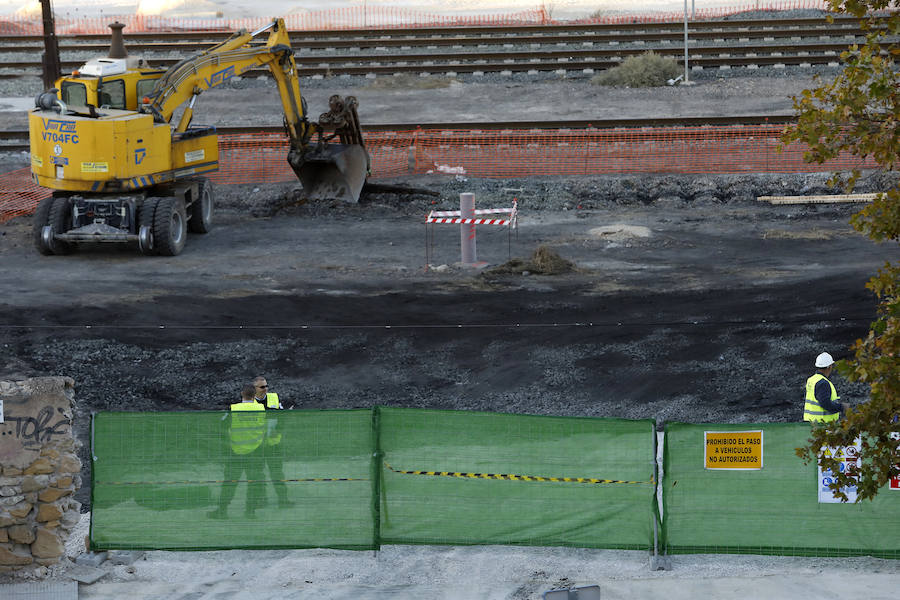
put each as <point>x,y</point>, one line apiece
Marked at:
<point>859,113</point>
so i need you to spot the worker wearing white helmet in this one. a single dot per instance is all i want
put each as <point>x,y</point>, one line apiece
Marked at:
<point>822,404</point>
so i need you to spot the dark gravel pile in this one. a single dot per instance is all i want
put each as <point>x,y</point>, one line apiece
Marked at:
<point>550,193</point>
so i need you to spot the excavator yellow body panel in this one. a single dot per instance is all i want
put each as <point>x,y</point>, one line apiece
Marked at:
<point>75,152</point>
<point>195,153</point>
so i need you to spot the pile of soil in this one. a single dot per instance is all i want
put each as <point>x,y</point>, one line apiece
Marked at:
<point>544,261</point>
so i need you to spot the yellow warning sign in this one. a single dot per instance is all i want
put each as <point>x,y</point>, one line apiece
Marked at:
<point>94,167</point>
<point>733,450</point>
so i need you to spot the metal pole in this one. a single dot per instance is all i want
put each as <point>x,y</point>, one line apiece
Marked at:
<point>693,14</point>
<point>686,76</point>
<point>467,232</point>
<point>50,63</point>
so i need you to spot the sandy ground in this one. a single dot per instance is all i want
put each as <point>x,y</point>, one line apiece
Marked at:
<point>715,316</point>
<point>474,573</point>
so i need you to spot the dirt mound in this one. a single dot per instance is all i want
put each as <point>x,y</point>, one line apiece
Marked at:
<point>543,261</point>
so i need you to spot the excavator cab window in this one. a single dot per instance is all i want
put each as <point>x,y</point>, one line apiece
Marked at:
<point>73,94</point>
<point>112,94</point>
<point>143,88</point>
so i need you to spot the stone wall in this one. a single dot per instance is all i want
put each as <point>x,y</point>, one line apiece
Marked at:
<point>40,472</point>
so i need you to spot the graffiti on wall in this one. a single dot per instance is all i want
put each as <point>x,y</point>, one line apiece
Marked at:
<point>37,430</point>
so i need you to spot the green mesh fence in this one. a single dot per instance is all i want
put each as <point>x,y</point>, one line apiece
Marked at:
<point>483,478</point>
<point>774,510</point>
<point>176,481</point>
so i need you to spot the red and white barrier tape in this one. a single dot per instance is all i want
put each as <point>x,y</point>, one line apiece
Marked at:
<point>452,221</point>
<point>452,217</point>
<point>479,211</point>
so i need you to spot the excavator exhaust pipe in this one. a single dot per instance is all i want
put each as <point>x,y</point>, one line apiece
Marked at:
<point>332,171</point>
<point>117,41</point>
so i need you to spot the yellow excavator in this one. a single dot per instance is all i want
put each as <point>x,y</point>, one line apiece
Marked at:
<point>123,170</point>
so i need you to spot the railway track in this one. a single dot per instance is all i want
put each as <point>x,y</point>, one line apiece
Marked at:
<point>474,50</point>
<point>17,140</point>
<point>314,38</point>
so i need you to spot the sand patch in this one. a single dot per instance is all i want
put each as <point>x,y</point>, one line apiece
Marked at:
<point>620,232</point>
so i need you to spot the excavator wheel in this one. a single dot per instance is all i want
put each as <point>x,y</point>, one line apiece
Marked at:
<point>41,219</point>
<point>52,217</point>
<point>61,222</point>
<point>146,213</point>
<point>169,226</point>
<point>202,208</point>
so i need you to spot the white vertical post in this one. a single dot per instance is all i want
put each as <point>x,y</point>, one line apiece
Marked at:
<point>467,232</point>
<point>686,76</point>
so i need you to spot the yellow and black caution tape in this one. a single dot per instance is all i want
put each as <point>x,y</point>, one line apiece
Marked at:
<point>195,482</point>
<point>510,476</point>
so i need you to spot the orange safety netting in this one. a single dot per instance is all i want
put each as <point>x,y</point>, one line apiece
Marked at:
<point>262,158</point>
<point>705,149</point>
<point>356,17</point>
<point>701,14</point>
<point>19,195</point>
<point>370,17</point>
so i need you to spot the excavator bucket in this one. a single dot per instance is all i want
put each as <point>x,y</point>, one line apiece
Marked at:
<point>331,171</point>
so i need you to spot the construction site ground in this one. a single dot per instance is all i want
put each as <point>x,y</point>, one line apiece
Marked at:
<point>687,300</point>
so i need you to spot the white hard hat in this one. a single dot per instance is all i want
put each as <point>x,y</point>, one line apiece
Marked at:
<point>824,360</point>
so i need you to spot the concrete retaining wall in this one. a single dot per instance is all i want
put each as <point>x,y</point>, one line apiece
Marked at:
<point>40,472</point>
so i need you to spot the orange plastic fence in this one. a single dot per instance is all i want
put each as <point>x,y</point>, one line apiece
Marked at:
<point>701,14</point>
<point>727,149</point>
<point>362,17</point>
<point>261,158</point>
<point>356,17</point>
<point>19,195</point>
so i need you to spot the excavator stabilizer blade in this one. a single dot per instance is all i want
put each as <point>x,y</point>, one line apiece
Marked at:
<point>333,172</point>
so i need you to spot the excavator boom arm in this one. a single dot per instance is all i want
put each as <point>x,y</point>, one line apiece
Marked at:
<point>213,67</point>
<point>327,169</point>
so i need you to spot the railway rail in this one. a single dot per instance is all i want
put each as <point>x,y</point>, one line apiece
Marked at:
<point>490,31</point>
<point>468,50</point>
<point>466,36</point>
<point>16,140</point>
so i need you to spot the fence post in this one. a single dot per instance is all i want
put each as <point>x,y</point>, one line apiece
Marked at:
<point>377,484</point>
<point>467,231</point>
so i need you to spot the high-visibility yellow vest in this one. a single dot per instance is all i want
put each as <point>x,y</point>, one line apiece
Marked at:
<point>248,426</point>
<point>272,436</point>
<point>812,410</point>
<point>272,400</point>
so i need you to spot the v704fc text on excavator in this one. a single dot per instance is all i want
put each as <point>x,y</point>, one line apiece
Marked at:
<point>103,140</point>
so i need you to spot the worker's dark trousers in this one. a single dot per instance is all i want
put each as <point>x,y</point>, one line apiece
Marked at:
<point>275,464</point>
<point>240,468</point>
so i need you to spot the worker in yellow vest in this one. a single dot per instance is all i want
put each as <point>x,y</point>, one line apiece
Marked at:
<point>246,438</point>
<point>822,404</point>
<point>273,451</point>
